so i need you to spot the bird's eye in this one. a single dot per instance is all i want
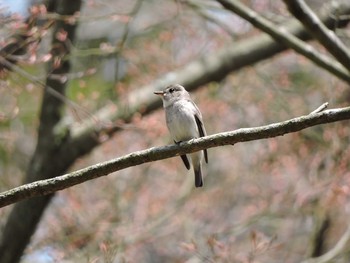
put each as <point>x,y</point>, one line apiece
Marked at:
<point>171,90</point>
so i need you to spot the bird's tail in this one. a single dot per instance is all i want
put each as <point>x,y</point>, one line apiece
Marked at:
<point>198,179</point>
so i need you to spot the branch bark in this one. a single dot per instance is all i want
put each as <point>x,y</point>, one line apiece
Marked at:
<point>281,34</point>
<point>49,186</point>
<point>319,31</point>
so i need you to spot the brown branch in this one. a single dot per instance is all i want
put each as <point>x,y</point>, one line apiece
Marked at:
<point>282,35</point>
<point>49,186</point>
<point>319,31</point>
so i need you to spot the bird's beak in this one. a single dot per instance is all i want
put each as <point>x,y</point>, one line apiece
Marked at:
<point>159,93</point>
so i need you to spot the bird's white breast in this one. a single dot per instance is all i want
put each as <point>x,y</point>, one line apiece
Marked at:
<point>180,120</point>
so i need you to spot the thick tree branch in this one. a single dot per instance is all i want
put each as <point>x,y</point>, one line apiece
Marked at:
<point>282,35</point>
<point>49,186</point>
<point>319,31</point>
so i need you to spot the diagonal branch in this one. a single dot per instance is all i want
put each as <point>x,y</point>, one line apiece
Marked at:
<point>282,35</point>
<point>319,31</point>
<point>49,186</point>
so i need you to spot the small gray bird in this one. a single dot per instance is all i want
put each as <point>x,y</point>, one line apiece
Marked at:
<point>184,121</point>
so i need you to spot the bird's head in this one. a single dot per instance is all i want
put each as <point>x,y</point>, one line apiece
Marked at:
<point>172,93</point>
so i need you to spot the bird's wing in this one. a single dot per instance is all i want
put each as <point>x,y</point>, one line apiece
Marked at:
<point>201,129</point>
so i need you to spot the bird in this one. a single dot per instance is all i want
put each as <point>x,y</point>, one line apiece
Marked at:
<point>184,122</point>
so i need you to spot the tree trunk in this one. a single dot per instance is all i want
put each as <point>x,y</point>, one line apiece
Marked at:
<point>26,215</point>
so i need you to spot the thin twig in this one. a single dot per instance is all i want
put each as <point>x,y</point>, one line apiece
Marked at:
<point>321,108</point>
<point>49,89</point>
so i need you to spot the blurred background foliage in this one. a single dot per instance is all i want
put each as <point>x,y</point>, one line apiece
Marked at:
<point>262,201</point>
